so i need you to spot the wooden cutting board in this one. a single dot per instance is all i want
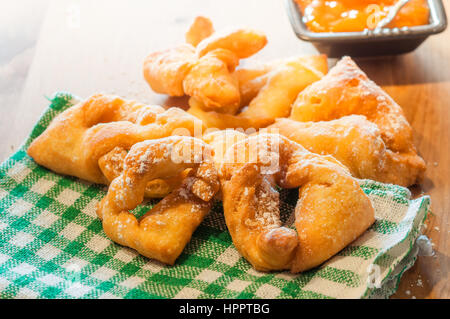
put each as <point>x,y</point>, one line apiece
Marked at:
<point>91,46</point>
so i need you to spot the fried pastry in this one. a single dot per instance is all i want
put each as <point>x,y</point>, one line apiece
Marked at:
<point>163,232</point>
<point>356,143</point>
<point>210,80</point>
<point>165,70</point>
<point>271,89</point>
<point>212,119</point>
<point>243,42</point>
<point>220,141</point>
<point>199,30</point>
<point>77,138</point>
<point>347,90</point>
<point>111,165</point>
<point>252,78</point>
<point>331,212</point>
<point>204,72</point>
<point>282,85</point>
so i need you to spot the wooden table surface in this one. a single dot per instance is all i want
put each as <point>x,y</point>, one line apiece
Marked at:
<point>99,46</point>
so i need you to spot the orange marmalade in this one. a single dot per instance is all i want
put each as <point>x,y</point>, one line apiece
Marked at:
<point>357,15</point>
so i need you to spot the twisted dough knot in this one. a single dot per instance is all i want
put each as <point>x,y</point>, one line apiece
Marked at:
<point>90,139</point>
<point>331,212</point>
<point>162,232</point>
<point>205,71</point>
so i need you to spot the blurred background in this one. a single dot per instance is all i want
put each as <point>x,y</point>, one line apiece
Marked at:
<point>20,22</point>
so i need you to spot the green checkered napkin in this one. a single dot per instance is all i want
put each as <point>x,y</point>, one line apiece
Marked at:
<point>53,246</point>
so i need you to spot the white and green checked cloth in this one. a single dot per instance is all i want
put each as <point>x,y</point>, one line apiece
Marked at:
<point>52,245</point>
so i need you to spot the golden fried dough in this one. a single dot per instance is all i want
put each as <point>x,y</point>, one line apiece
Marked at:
<point>221,121</point>
<point>270,88</point>
<point>165,70</point>
<point>242,42</point>
<point>210,80</point>
<point>347,90</point>
<point>220,141</point>
<point>77,138</point>
<point>180,71</point>
<point>205,72</point>
<point>332,210</point>
<point>253,78</point>
<point>163,232</point>
<point>283,84</point>
<point>200,29</point>
<point>356,143</point>
<point>111,165</point>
